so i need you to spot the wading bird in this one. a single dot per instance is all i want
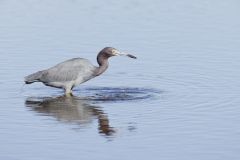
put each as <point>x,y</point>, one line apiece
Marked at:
<point>73,72</point>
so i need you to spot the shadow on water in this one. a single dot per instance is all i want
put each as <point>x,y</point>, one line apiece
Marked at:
<point>83,109</point>
<point>71,110</point>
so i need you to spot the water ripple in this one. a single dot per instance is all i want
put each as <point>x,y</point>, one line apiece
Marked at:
<point>117,94</point>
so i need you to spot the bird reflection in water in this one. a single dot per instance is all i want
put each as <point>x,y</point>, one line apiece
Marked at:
<point>73,110</point>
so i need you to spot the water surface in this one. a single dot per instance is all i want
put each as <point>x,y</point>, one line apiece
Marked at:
<point>178,100</point>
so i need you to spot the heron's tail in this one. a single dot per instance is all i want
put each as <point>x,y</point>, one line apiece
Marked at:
<point>33,77</point>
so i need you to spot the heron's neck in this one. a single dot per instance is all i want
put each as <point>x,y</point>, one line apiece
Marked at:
<point>102,60</point>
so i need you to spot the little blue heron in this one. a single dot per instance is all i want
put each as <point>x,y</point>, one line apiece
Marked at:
<point>73,72</point>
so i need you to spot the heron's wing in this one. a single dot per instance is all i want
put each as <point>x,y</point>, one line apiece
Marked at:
<point>68,71</point>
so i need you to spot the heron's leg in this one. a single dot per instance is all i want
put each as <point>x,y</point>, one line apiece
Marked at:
<point>68,91</point>
<point>69,94</point>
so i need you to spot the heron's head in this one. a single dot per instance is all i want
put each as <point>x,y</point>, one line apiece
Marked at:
<point>109,52</point>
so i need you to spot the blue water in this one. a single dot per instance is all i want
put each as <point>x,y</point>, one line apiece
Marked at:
<point>178,101</point>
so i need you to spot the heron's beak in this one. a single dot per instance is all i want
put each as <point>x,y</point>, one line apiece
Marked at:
<point>125,54</point>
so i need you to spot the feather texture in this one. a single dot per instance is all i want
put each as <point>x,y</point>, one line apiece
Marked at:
<point>71,72</point>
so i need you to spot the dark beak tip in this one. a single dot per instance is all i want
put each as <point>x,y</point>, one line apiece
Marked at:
<point>131,56</point>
